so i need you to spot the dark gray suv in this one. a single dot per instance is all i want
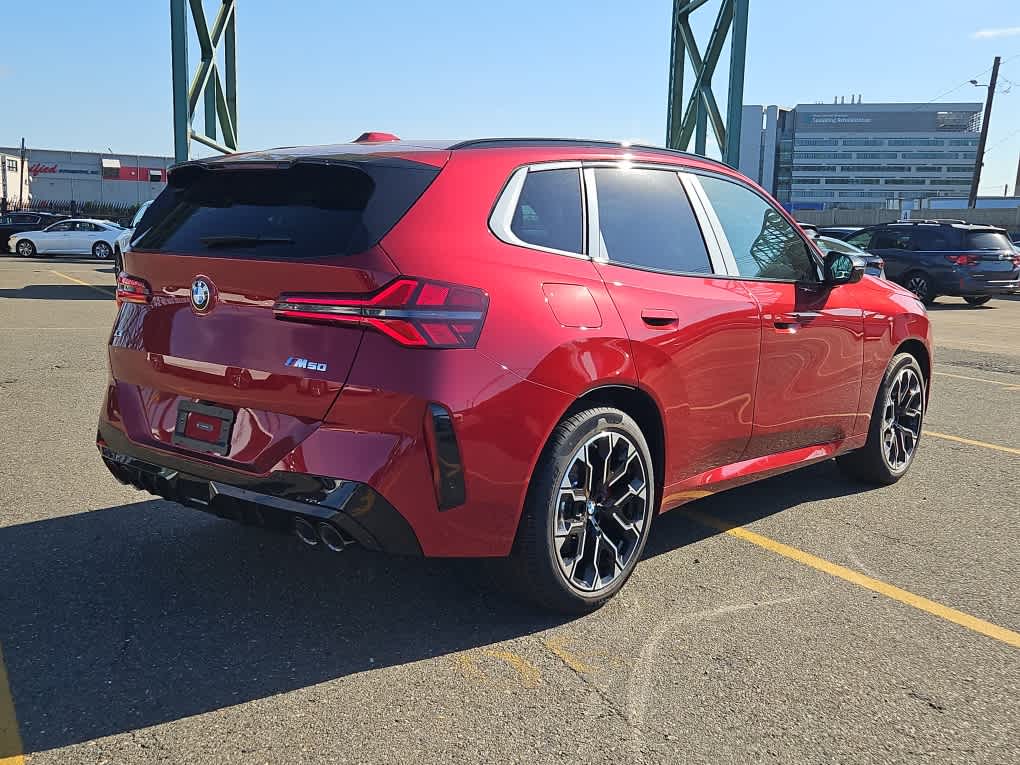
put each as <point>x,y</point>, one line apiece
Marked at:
<point>932,258</point>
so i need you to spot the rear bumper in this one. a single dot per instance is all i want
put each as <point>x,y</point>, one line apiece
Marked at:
<point>276,499</point>
<point>375,434</point>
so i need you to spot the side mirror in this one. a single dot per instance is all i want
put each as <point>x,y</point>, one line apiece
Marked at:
<point>841,268</point>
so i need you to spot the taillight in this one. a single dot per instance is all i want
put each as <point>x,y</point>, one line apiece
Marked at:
<point>964,260</point>
<point>1016,260</point>
<point>131,289</point>
<point>412,312</point>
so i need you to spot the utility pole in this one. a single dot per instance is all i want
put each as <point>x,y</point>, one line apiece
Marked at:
<point>1016,183</point>
<point>24,174</point>
<point>972,200</point>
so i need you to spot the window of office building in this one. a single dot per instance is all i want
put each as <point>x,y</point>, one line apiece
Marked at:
<point>824,155</point>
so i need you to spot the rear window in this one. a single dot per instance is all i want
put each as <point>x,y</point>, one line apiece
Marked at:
<point>307,210</point>
<point>987,240</point>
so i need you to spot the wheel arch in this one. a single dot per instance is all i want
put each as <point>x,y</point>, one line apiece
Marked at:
<point>919,351</point>
<point>642,407</point>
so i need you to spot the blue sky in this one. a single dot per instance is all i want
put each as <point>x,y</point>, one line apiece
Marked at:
<point>95,75</point>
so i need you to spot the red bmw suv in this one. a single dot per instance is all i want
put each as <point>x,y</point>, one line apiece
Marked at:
<point>502,347</point>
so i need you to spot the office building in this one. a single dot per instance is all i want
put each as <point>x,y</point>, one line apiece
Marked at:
<point>822,156</point>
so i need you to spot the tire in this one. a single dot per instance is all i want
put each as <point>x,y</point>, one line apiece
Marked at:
<point>102,251</point>
<point>603,526</point>
<point>976,300</point>
<point>24,248</point>
<point>876,462</point>
<point>118,260</point>
<point>920,284</point>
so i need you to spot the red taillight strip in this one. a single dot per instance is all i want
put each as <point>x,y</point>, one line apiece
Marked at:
<point>411,312</point>
<point>131,289</point>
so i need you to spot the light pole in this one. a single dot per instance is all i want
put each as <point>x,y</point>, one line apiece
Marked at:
<point>972,199</point>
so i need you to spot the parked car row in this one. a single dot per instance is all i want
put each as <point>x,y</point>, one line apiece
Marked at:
<point>936,257</point>
<point>74,236</point>
<point>17,222</point>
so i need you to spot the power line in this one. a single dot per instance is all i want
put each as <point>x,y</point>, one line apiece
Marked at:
<point>1002,141</point>
<point>967,82</point>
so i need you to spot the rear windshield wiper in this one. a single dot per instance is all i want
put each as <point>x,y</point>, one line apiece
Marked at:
<point>243,240</point>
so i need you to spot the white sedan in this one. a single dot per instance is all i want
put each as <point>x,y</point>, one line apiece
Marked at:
<point>77,236</point>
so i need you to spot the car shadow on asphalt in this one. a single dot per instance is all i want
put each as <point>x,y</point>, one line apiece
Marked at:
<point>59,292</point>
<point>958,307</point>
<point>146,613</point>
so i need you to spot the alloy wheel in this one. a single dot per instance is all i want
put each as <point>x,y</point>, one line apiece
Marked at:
<point>918,285</point>
<point>602,509</point>
<point>901,418</point>
<point>102,251</point>
<point>25,248</point>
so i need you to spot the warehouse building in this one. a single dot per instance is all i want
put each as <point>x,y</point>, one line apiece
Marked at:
<point>14,189</point>
<point>823,156</point>
<point>78,177</point>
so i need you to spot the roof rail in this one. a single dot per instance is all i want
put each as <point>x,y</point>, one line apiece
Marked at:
<point>916,221</point>
<point>580,143</point>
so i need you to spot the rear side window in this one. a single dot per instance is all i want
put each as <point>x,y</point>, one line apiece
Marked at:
<point>891,239</point>
<point>548,212</point>
<point>306,210</point>
<point>937,239</point>
<point>647,221</point>
<point>987,240</point>
<point>764,244</point>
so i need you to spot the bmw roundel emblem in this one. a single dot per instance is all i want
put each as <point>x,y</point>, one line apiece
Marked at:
<point>201,295</point>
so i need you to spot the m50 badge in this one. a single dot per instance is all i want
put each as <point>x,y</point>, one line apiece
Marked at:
<point>299,363</point>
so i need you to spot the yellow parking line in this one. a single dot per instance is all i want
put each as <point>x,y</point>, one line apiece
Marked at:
<point>530,676</point>
<point>972,442</point>
<point>555,643</point>
<point>10,740</point>
<point>875,585</point>
<point>96,287</point>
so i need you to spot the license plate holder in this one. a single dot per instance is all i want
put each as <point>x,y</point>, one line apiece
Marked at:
<point>203,427</point>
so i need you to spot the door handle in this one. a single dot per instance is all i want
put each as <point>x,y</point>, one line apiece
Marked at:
<point>794,320</point>
<point>659,317</point>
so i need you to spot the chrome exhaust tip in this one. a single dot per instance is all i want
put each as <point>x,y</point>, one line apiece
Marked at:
<point>331,537</point>
<point>305,531</point>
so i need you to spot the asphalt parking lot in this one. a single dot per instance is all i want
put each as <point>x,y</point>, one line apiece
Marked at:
<point>830,623</point>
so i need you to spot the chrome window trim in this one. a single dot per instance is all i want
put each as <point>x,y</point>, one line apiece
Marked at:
<point>596,245</point>
<point>719,253</point>
<point>502,215</point>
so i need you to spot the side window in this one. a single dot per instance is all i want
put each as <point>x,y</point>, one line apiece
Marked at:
<point>647,221</point>
<point>548,212</point>
<point>933,239</point>
<point>890,239</point>
<point>862,240</point>
<point>62,227</point>
<point>763,242</point>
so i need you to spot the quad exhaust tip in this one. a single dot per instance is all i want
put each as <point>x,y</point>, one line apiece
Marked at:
<point>331,537</point>
<point>305,531</point>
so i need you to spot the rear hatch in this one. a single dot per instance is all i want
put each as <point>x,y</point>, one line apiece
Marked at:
<point>203,359</point>
<point>993,258</point>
